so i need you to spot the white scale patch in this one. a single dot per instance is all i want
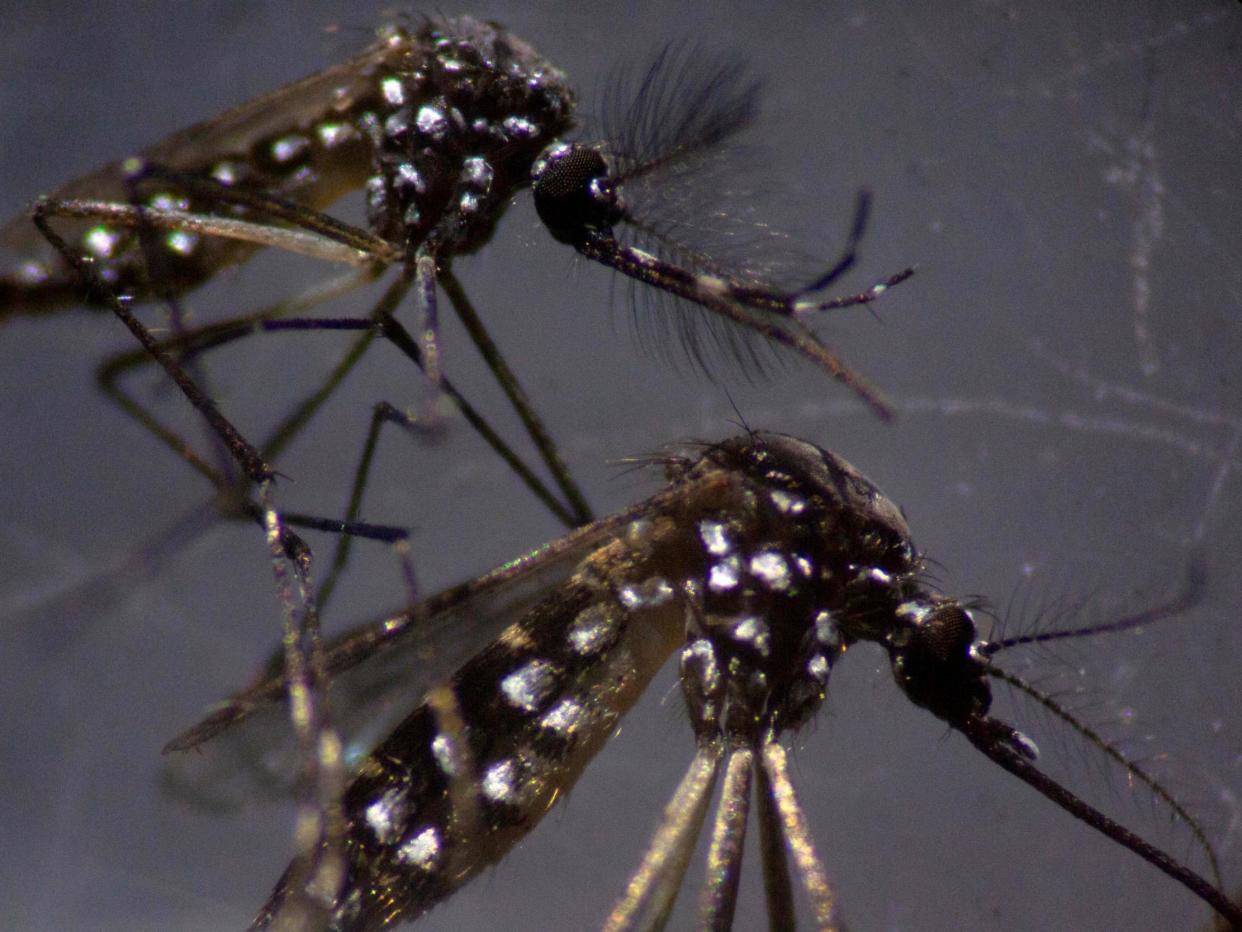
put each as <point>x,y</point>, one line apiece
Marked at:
<point>530,686</point>
<point>431,122</point>
<point>393,91</point>
<point>715,537</point>
<point>916,611</point>
<point>101,242</point>
<point>711,285</point>
<point>519,128</point>
<point>409,177</point>
<point>167,201</point>
<point>724,575</point>
<point>446,755</point>
<point>288,148</point>
<point>771,568</point>
<point>387,816</point>
<point>826,632</point>
<point>593,630</point>
<point>499,783</point>
<point>565,717</point>
<point>333,134</point>
<point>819,668</point>
<point>754,631</point>
<point>422,850</point>
<point>226,172</point>
<point>702,655</point>
<point>651,593</point>
<point>181,242</point>
<point>477,172</point>
<point>786,503</point>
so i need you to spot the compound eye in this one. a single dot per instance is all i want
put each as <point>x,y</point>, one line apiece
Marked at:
<point>947,633</point>
<point>935,666</point>
<point>573,193</point>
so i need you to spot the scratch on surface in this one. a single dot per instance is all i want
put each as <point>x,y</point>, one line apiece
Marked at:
<point>1224,467</point>
<point>1148,228</point>
<point>1139,171</point>
<point>1113,52</point>
<point>1101,390</point>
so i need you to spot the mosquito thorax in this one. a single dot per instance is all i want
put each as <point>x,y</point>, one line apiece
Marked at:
<point>934,650</point>
<point>574,192</point>
<point>456,133</point>
<point>792,574</point>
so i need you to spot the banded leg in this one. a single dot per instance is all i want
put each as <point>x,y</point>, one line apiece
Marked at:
<point>319,834</point>
<point>319,826</point>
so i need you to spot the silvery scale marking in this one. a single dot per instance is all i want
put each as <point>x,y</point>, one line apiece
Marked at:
<point>816,559</point>
<point>440,127</point>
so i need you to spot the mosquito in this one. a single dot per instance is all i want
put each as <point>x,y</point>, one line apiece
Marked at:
<point>761,563</point>
<point>440,126</point>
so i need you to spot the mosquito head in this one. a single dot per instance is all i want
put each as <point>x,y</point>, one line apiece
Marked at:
<point>574,192</point>
<point>937,659</point>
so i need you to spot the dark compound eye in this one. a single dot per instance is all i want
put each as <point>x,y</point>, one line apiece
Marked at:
<point>933,663</point>
<point>574,193</point>
<point>947,634</point>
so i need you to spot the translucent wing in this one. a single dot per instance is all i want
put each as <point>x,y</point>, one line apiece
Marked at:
<point>244,750</point>
<point>236,134</point>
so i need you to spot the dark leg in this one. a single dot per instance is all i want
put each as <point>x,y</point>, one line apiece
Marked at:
<point>579,509</point>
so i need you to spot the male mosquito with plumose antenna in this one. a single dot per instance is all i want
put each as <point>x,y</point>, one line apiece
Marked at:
<point>440,125</point>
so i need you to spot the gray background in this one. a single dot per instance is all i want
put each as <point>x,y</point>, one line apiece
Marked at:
<point>1044,165</point>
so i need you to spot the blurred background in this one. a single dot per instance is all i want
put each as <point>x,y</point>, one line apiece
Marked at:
<point>1064,364</point>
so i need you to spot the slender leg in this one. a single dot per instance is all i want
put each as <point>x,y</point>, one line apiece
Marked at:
<point>321,236</point>
<point>428,315</point>
<point>246,455</point>
<point>320,828</point>
<point>393,330</point>
<point>215,335</point>
<point>381,414</point>
<point>777,886</point>
<point>775,768</point>
<point>654,885</point>
<point>518,399</point>
<point>193,342</point>
<point>724,860</point>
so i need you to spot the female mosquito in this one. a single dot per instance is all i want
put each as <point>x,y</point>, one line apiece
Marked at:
<point>760,565</point>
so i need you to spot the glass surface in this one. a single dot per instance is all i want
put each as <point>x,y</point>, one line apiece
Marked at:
<point>1065,363</point>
